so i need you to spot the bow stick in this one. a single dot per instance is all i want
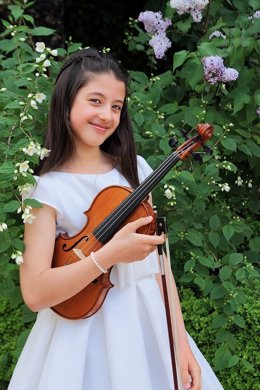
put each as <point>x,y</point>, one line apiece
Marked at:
<point>168,294</point>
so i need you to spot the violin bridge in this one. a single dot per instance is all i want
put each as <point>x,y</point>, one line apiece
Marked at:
<point>79,253</point>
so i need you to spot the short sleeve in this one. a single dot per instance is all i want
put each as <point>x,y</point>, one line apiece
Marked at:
<point>45,192</point>
<point>144,169</point>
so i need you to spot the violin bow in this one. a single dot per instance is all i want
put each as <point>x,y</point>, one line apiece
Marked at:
<point>168,294</point>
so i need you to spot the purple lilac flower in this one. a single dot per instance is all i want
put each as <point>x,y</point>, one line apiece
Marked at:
<point>217,34</point>
<point>216,72</point>
<point>153,22</point>
<point>193,7</point>
<point>258,111</point>
<point>213,69</point>
<point>160,43</point>
<point>229,74</point>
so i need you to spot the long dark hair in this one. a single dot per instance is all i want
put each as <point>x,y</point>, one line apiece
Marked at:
<point>75,73</point>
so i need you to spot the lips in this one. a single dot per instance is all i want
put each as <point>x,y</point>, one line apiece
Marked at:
<point>99,127</point>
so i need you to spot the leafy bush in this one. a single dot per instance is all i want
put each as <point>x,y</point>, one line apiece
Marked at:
<point>210,208</point>
<point>199,314</point>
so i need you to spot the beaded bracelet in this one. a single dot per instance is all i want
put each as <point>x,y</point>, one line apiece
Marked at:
<point>92,255</point>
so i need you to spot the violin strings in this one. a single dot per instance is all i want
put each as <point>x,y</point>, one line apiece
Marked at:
<point>122,208</point>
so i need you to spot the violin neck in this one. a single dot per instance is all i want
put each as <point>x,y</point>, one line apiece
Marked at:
<point>110,225</point>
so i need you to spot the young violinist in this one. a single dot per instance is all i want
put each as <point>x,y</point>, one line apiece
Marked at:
<point>124,345</point>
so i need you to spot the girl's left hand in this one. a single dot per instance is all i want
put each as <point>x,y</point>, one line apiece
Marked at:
<point>190,370</point>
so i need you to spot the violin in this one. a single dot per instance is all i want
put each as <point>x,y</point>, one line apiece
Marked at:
<point>112,208</point>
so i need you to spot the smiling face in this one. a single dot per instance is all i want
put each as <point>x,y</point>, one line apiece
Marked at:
<point>96,110</point>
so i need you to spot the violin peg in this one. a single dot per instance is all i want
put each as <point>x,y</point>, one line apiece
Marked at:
<point>197,157</point>
<point>173,142</point>
<point>207,149</point>
<point>184,134</point>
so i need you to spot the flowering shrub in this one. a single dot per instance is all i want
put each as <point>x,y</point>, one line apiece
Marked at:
<point>211,69</point>
<point>210,75</point>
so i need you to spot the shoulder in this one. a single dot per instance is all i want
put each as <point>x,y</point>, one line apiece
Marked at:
<point>46,190</point>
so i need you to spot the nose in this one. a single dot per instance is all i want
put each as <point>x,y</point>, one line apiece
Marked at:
<point>105,113</point>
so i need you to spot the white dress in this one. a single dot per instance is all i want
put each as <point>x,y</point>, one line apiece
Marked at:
<point>124,345</point>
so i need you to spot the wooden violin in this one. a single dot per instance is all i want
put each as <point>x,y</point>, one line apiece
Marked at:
<point>111,209</point>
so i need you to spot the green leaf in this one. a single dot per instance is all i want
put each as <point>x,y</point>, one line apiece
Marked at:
<point>233,360</point>
<point>228,231</point>
<point>235,258</point>
<point>16,11</point>
<point>200,282</point>
<point>217,292</point>
<point>239,321</point>
<point>214,222</point>
<point>240,100</point>
<point>189,265</point>
<point>33,203</point>
<point>187,176</point>
<point>240,274</point>
<point>254,244</point>
<point>229,144</point>
<point>18,244</point>
<point>219,321</point>
<point>41,31</point>
<point>214,238</point>
<point>169,108</point>
<point>199,205</point>
<point>5,242</point>
<point>7,45</point>
<point>239,226</point>
<point>140,77</point>
<point>225,273</point>
<point>222,357</point>
<point>247,365</point>
<point>179,58</point>
<point>139,118</point>
<point>212,170</point>
<point>194,237</point>
<point>194,73</point>
<point>11,206</point>
<point>207,262</point>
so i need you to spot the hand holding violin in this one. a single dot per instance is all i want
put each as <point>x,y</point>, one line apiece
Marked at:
<point>127,245</point>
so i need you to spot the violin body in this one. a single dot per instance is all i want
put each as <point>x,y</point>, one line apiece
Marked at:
<point>89,300</point>
<point>112,208</point>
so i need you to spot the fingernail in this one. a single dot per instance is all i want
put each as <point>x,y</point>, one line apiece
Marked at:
<point>149,218</point>
<point>187,386</point>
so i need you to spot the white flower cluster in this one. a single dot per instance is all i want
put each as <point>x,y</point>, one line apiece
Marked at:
<point>35,148</point>
<point>25,189</point>
<point>39,97</point>
<point>22,168</point>
<point>193,7</point>
<point>3,226</point>
<point>18,257</point>
<point>27,215</point>
<point>224,187</point>
<point>169,193</point>
<point>43,62</point>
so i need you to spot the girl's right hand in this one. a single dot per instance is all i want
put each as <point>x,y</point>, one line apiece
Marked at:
<point>127,245</point>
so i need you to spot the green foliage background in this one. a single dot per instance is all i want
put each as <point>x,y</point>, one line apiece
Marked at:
<point>214,233</point>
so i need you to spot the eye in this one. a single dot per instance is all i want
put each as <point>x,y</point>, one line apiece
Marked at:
<point>96,101</point>
<point>117,107</point>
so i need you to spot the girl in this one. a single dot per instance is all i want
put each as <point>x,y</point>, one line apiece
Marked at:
<point>124,345</point>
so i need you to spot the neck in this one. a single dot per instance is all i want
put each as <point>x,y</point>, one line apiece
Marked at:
<point>92,160</point>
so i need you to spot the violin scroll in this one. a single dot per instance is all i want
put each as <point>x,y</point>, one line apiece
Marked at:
<point>205,131</point>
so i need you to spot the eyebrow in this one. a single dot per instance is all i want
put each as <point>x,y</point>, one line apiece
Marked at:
<point>101,94</point>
